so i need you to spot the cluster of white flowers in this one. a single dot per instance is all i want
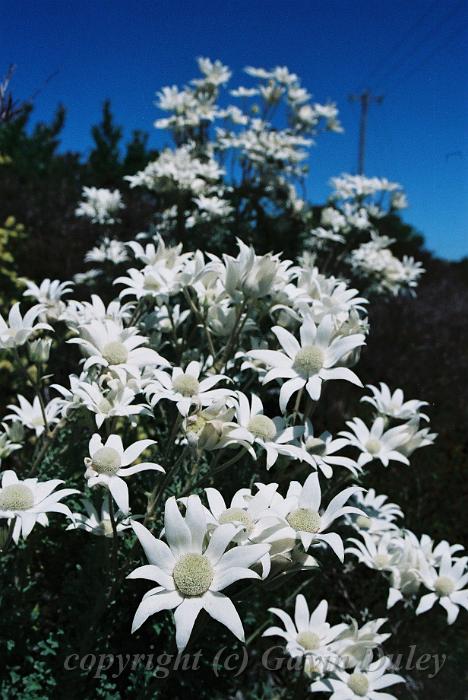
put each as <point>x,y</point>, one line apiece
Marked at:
<point>217,365</point>
<point>100,206</point>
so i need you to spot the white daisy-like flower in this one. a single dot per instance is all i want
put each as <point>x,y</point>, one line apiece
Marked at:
<point>379,515</point>
<point>29,500</point>
<point>116,401</point>
<point>376,443</point>
<point>156,282</point>
<point>257,429</point>
<point>394,405</point>
<point>377,553</point>
<point>18,328</point>
<point>191,574</point>
<point>49,293</point>
<point>321,451</point>
<point>354,646</point>
<point>185,387</point>
<point>31,416</point>
<point>249,512</point>
<point>109,462</point>
<point>447,587</point>
<point>309,634</point>
<point>361,684</point>
<point>96,524</point>
<point>110,345</point>
<point>301,516</point>
<point>311,362</point>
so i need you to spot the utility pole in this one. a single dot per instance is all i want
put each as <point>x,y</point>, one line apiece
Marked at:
<point>364,99</point>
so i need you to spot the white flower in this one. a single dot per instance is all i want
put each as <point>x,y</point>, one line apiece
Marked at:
<point>109,345</point>
<point>321,451</point>
<point>375,443</point>
<point>394,405</point>
<point>29,500</point>
<point>354,646</point>
<point>362,684</point>
<point>301,517</point>
<point>190,574</point>
<point>377,553</point>
<point>309,634</point>
<point>49,294</point>
<point>100,205</point>
<point>106,404</point>
<point>185,387</point>
<point>447,586</point>
<point>310,363</point>
<point>256,428</point>
<point>109,462</point>
<point>30,414</point>
<point>20,328</point>
<point>112,250</point>
<point>379,515</point>
<point>96,524</point>
<point>251,513</point>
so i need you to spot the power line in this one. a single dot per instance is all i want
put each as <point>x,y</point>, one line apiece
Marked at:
<point>395,48</point>
<point>440,47</point>
<point>413,48</point>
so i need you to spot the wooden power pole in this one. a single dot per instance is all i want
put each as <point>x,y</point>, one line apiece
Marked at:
<point>364,99</point>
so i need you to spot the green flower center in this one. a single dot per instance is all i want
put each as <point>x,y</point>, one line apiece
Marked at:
<point>373,446</point>
<point>193,574</point>
<point>186,385</point>
<point>16,497</point>
<point>262,427</point>
<point>444,586</point>
<point>308,640</point>
<point>115,353</point>
<point>309,360</point>
<point>315,446</point>
<point>152,284</point>
<point>381,561</point>
<point>358,683</point>
<point>104,406</point>
<point>106,461</point>
<point>363,522</point>
<point>304,520</point>
<point>237,515</point>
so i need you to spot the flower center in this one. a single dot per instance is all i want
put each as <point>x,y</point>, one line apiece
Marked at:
<point>381,560</point>
<point>186,385</point>
<point>363,522</point>
<point>115,353</point>
<point>262,427</point>
<point>444,586</point>
<point>308,640</point>
<point>106,461</point>
<point>152,284</point>
<point>315,446</point>
<point>104,406</point>
<point>358,683</point>
<point>37,421</point>
<point>237,515</point>
<point>309,360</point>
<point>304,520</point>
<point>193,574</point>
<point>16,497</point>
<point>373,446</point>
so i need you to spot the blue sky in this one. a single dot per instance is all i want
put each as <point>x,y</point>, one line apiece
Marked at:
<point>414,53</point>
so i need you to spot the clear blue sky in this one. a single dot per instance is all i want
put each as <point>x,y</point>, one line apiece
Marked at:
<point>415,52</point>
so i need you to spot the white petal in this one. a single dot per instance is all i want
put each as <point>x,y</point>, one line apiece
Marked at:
<point>166,600</point>
<point>185,617</point>
<point>222,609</point>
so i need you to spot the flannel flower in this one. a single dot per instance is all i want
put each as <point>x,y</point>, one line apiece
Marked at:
<point>191,575</point>
<point>108,463</point>
<point>310,362</point>
<point>29,501</point>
